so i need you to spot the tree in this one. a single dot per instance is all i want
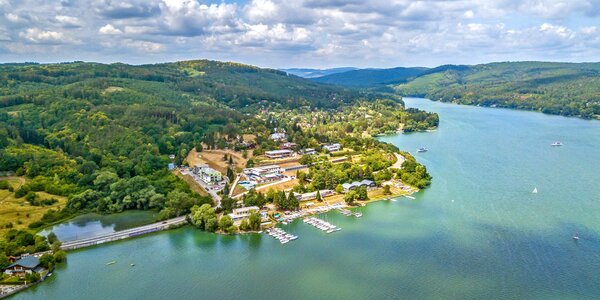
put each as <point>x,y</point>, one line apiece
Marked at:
<point>227,203</point>
<point>225,223</point>
<point>60,256</point>
<point>204,217</point>
<point>47,261</point>
<point>339,189</point>
<point>250,163</point>
<point>245,225</point>
<point>386,190</point>
<point>362,194</point>
<point>254,221</point>
<point>319,196</point>
<point>3,261</point>
<point>350,197</point>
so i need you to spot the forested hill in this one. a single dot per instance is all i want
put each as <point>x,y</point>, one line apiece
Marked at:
<point>569,89</point>
<point>371,77</point>
<point>102,134</point>
<point>233,84</point>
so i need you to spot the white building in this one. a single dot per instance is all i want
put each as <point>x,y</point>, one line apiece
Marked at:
<point>313,195</point>
<point>278,136</point>
<point>309,151</point>
<point>264,173</point>
<point>278,153</point>
<point>244,212</point>
<point>210,175</point>
<point>333,147</point>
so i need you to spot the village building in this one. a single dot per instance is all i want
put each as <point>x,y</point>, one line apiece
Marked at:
<point>313,195</point>
<point>264,173</point>
<point>287,145</point>
<point>210,175</point>
<point>244,212</point>
<point>354,185</point>
<point>278,136</point>
<point>308,151</point>
<point>332,147</point>
<point>274,154</point>
<point>25,265</point>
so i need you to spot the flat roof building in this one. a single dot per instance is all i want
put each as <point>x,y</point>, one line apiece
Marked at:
<point>278,153</point>
<point>240,213</point>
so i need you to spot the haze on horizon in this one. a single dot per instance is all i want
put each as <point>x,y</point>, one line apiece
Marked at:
<point>301,33</point>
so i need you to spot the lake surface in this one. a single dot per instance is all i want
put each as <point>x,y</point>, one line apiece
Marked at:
<point>92,224</point>
<point>477,233</point>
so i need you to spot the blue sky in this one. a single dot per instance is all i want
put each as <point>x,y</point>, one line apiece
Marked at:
<point>301,33</point>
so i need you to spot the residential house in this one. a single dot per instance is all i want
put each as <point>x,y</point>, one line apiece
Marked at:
<point>25,265</point>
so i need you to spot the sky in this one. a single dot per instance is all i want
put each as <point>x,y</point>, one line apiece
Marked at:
<point>301,33</point>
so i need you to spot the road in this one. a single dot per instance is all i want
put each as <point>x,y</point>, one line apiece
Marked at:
<point>123,234</point>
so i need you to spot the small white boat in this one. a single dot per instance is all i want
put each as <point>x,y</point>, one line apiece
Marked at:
<point>422,149</point>
<point>409,197</point>
<point>111,263</point>
<point>535,191</point>
<point>557,144</point>
<point>576,236</point>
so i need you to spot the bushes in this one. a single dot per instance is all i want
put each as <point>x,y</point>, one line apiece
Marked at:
<point>4,185</point>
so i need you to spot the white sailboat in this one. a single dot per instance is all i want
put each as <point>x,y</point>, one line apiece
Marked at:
<point>535,191</point>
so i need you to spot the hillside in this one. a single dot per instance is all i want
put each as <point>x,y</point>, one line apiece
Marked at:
<point>101,135</point>
<point>314,73</point>
<point>568,89</point>
<point>371,77</point>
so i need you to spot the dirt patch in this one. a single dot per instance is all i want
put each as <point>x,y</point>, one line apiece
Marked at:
<point>214,159</point>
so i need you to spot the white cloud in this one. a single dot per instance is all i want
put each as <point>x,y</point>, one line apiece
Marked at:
<point>12,17</point>
<point>144,46</point>
<point>317,32</point>
<point>68,20</point>
<point>37,35</point>
<point>108,29</point>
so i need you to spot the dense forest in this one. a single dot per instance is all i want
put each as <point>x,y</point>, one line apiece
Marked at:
<point>567,89</point>
<point>371,77</point>
<point>102,135</point>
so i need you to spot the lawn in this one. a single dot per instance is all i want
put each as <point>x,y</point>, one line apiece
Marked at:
<point>19,212</point>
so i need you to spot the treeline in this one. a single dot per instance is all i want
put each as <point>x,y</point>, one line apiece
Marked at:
<point>554,88</point>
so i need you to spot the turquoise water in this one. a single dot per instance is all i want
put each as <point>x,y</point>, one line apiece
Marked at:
<point>88,225</point>
<point>477,233</point>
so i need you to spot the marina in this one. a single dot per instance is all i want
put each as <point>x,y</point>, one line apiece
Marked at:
<point>280,235</point>
<point>322,225</point>
<point>349,213</point>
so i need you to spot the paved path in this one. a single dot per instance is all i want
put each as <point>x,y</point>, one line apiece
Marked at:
<point>399,161</point>
<point>120,235</point>
<point>232,188</point>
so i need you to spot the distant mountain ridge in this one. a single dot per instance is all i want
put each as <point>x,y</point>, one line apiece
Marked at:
<point>314,73</point>
<point>371,77</point>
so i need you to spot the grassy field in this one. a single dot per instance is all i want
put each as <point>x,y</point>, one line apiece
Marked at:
<point>19,212</point>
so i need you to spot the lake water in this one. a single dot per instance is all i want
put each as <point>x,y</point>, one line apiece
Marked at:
<point>477,233</point>
<point>92,224</point>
